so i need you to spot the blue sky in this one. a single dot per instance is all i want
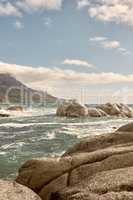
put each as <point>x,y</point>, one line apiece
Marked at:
<point>84,40</point>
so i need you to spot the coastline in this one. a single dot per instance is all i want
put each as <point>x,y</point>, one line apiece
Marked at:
<point>99,167</point>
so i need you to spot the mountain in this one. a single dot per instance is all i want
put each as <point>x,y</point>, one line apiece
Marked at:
<point>13,91</point>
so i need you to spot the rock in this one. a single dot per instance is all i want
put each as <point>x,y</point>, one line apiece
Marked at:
<point>95,112</point>
<point>16,108</point>
<point>61,110</point>
<point>110,109</point>
<point>42,171</point>
<point>125,109</point>
<point>126,128</point>
<point>72,109</point>
<point>98,168</point>
<point>4,113</point>
<point>15,191</point>
<point>106,185</point>
<point>119,110</point>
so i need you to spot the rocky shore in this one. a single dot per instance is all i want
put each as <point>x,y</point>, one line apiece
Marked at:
<point>74,109</point>
<point>98,168</point>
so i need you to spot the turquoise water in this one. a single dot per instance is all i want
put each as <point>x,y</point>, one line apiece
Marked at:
<point>39,133</point>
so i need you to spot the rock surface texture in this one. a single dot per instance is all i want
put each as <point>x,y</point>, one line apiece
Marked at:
<point>74,109</point>
<point>14,191</point>
<point>98,168</point>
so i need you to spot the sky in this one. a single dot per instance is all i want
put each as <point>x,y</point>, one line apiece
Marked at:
<point>79,49</point>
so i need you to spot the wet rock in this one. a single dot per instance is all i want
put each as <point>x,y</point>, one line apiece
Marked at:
<point>16,108</point>
<point>4,113</point>
<point>72,109</point>
<point>119,110</point>
<point>95,112</point>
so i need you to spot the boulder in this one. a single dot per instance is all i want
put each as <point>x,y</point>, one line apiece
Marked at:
<point>72,109</point>
<point>119,110</point>
<point>16,108</point>
<point>110,109</point>
<point>15,191</point>
<point>95,112</point>
<point>126,128</point>
<point>61,110</point>
<point>98,168</point>
<point>126,110</point>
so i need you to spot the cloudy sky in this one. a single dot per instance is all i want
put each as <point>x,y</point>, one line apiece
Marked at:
<point>72,48</point>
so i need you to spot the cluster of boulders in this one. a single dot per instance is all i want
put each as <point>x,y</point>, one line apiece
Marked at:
<point>8,112</point>
<point>74,109</point>
<point>98,168</point>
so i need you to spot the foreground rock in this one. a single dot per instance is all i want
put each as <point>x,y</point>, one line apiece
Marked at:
<point>98,168</point>
<point>72,109</point>
<point>14,191</point>
<point>126,128</point>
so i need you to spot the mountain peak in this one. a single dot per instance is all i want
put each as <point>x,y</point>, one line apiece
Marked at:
<point>16,89</point>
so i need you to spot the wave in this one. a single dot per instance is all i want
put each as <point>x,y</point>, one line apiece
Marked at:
<point>66,124</point>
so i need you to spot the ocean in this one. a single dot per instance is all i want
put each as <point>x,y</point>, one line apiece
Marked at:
<point>38,133</point>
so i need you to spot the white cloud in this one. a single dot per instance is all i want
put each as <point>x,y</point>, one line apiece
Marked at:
<point>18,25</point>
<point>31,75</point>
<point>119,11</point>
<point>98,39</point>
<point>111,44</point>
<point>64,83</point>
<point>17,7</point>
<point>82,3</point>
<point>105,43</point>
<point>28,5</point>
<point>77,63</point>
<point>7,9</point>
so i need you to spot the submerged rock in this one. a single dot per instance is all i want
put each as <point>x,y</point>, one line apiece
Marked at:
<point>98,168</point>
<point>15,191</point>
<point>4,113</point>
<point>15,108</point>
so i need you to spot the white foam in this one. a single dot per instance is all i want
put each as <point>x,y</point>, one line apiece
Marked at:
<point>2,153</point>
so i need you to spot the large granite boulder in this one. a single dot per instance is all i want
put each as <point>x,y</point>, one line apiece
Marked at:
<point>15,191</point>
<point>98,168</point>
<point>72,109</point>
<point>119,110</point>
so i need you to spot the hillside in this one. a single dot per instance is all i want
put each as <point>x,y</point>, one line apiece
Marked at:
<point>16,92</point>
